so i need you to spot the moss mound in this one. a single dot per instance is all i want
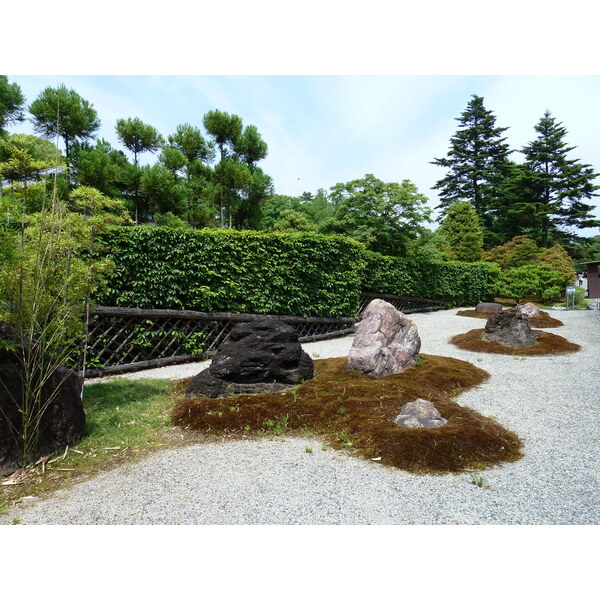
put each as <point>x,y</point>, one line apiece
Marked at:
<point>356,411</point>
<point>544,321</point>
<point>548,343</point>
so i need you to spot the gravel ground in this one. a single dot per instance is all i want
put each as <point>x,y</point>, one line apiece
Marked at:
<point>552,403</point>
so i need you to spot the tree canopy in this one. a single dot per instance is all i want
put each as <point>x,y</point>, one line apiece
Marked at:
<point>383,216</point>
<point>12,103</point>
<point>63,112</point>
<point>477,161</point>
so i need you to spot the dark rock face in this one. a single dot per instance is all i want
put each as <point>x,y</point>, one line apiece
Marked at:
<point>62,419</point>
<point>420,413</point>
<point>511,328</point>
<point>259,356</point>
<point>489,307</point>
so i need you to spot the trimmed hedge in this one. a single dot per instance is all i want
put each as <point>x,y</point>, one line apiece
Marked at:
<point>226,270</point>
<point>303,274</point>
<point>456,283</point>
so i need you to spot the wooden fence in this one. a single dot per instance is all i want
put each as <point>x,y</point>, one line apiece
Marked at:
<point>131,339</point>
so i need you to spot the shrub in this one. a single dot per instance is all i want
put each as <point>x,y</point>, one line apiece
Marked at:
<point>456,283</point>
<point>532,280</point>
<point>304,274</point>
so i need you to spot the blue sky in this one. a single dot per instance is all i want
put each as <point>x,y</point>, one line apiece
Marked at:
<point>322,130</point>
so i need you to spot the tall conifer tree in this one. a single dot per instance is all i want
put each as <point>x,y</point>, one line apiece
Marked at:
<point>476,162</point>
<point>557,185</point>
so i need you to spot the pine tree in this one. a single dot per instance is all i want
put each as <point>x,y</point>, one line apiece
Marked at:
<point>557,184</point>
<point>476,162</point>
<point>462,231</point>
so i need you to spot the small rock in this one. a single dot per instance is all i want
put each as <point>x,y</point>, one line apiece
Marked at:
<point>489,307</point>
<point>420,413</point>
<point>530,310</point>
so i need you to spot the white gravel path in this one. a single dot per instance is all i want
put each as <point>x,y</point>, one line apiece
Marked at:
<point>552,403</point>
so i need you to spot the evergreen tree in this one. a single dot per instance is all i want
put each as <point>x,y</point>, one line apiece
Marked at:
<point>103,168</point>
<point>190,141</point>
<point>462,231</point>
<point>476,162</point>
<point>63,112</point>
<point>12,102</point>
<point>557,185</point>
<point>137,137</point>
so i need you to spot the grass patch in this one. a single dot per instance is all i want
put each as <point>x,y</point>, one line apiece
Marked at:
<point>548,344</point>
<point>365,425</point>
<point>544,321</point>
<point>124,420</point>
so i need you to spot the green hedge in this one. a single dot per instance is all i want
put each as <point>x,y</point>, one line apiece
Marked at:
<point>234,271</point>
<point>303,274</point>
<point>456,283</point>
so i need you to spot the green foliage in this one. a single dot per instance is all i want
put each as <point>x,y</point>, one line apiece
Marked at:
<point>12,102</point>
<point>274,205</point>
<point>477,161</point>
<point>557,184</point>
<point>18,163</point>
<point>580,299</point>
<point>191,143</point>
<point>461,228</point>
<point>250,146</point>
<point>522,251</point>
<point>235,271</point>
<point>63,112</point>
<point>102,167</point>
<point>138,136</point>
<point>292,220</point>
<point>170,220</point>
<point>225,130</point>
<point>532,280</point>
<point>455,283</point>
<point>383,216</point>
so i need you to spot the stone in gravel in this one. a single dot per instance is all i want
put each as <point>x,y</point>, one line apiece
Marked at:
<point>62,420</point>
<point>489,307</point>
<point>420,413</point>
<point>530,310</point>
<point>263,355</point>
<point>510,327</point>
<point>386,341</point>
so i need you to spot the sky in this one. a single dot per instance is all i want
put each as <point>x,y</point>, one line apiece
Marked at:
<point>326,129</point>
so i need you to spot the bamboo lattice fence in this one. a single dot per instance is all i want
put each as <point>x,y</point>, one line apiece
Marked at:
<point>130,339</point>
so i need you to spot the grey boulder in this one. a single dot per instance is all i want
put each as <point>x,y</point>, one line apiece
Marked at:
<point>511,328</point>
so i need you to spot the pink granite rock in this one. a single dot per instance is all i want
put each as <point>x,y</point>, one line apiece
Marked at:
<point>386,341</point>
<point>530,310</point>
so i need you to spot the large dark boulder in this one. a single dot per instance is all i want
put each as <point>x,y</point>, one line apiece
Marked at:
<point>258,356</point>
<point>510,327</point>
<point>62,419</point>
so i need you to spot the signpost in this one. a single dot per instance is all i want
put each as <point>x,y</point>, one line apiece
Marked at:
<point>570,297</point>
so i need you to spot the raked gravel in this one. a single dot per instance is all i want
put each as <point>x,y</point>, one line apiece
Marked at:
<point>552,403</point>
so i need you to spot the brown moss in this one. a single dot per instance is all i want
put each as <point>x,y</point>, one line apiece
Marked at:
<point>544,321</point>
<point>548,343</point>
<point>356,411</point>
